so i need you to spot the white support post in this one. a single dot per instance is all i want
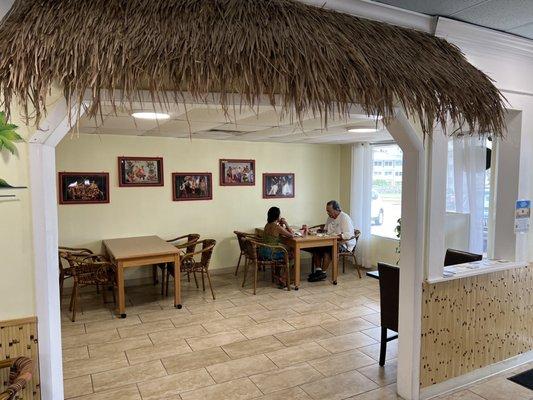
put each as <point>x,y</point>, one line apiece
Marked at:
<point>437,146</point>
<point>44,208</point>
<point>411,255</point>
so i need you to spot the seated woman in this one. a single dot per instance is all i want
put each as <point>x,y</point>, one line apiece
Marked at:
<point>275,228</point>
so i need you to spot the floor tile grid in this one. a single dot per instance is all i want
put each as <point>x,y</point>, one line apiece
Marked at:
<point>259,302</point>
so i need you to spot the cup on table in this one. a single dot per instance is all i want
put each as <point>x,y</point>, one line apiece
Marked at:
<point>304,229</point>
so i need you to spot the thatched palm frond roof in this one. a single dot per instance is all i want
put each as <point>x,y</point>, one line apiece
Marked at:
<point>313,59</point>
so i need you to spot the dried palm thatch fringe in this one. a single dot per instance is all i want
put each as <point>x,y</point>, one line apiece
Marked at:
<point>315,60</point>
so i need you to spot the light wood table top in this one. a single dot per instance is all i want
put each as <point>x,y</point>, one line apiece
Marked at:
<point>134,247</point>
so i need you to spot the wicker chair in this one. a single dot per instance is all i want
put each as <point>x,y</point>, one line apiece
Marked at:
<point>241,238</point>
<point>190,265</point>
<point>280,268</point>
<point>20,374</point>
<point>66,272</point>
<point>350,254</point>
<point>192,238</point>
<point>90,270</point>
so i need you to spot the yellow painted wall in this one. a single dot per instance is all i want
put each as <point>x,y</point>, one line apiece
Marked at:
<point>17,298</point>
<point>16,244</point>
<point>149,211</point>
<point>345,176</point>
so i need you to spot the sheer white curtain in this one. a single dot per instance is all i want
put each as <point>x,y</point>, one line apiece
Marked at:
<point>468,185</point>
<point>360,198</point>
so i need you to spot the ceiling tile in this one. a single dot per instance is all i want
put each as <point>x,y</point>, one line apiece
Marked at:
<point>442,7</point>
<point>499,14</point>
<point>524,30</point>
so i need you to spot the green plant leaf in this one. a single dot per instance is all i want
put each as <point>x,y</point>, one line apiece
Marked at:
<point>7,144</point>
<point>10,135</point>
<point>4,184</point>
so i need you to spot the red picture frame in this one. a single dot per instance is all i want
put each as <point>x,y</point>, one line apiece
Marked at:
<point>127,175</point>
<point>246,175</point>
<point>279,185</point>
<point>67,193</point>
<point>179,195</point>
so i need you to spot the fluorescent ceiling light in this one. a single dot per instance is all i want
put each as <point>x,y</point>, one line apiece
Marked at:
<point>363,130</point>
<point>150,115</point>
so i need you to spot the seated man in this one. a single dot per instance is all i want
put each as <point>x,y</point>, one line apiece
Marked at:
<point>338,223</point>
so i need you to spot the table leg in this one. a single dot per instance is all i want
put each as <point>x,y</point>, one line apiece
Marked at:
<point>121,294</point>
<point>296,267</point>
<point>335,262</point>
<point>177,281</point>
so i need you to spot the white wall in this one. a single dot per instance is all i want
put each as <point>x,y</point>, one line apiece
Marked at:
<point>150,210</point>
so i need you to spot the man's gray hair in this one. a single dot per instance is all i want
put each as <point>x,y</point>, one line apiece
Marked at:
<point>334,204</point>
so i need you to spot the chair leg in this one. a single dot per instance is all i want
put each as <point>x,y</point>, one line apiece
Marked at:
<point>74,301</point>
<point>97,288</point>
<point>210,285</point>
<point>343,265</point>
<point>166,282</point>
<point>164,277</point>
<point>61,281</point>
<point>288,277</point>
<point>195,280</point>
<point>383,347</point>
<point>255,277</point>
<point>154,274</point>
<point>203,281</point>
<point>357,267</point>
<point>104,296</point>
<point>245,272</point>
<point>238,264</point>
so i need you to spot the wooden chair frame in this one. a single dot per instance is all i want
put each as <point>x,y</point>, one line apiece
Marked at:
<point>346,254</point>
<point>252,258</point>
<point>241,238</point>
<point>20,374</point>
<point>189,264</point>
<point>66,273</point>
<point>192,238</point>
<point>90,270</point>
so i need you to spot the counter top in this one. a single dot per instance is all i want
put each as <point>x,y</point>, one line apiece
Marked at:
<point>482,267</point>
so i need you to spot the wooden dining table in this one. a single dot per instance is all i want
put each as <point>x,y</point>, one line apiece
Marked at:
<point>298,243</point>
<point>141,251</point>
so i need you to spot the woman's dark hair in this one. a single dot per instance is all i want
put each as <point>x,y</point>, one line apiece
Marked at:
<point>273,214</point>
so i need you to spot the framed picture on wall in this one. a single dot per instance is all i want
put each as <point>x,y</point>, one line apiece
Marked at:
<point>278,186</point>
<point>140,171</point>
<point>83,187</point>
<point>188,186</point>
<point>237,172</point>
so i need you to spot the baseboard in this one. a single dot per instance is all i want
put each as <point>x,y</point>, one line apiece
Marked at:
<point>474,376</point>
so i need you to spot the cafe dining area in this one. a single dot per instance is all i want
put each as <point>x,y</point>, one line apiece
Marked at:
<point>263,200</point>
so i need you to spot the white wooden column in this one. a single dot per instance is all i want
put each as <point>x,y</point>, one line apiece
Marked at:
<point>44,208</point>
<point>411,255</point>
<point>437,148</point>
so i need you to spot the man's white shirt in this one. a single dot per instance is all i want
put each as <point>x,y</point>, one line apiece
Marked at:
<point>342,225</point>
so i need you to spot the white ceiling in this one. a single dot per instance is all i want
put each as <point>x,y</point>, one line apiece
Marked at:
<point>512,16</point>
<point>262,124</point>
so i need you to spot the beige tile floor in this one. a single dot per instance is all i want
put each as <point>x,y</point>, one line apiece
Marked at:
<point>320,343</point>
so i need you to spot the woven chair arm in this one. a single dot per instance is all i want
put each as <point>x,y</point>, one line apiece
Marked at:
<point>178,238</point>
<point>272,246</point>
<point>189,256</point>
<point>95,268</point>
<point>345,240</point>
<point>186,244</point>
<point>19,376</point>
<point>75,249</point>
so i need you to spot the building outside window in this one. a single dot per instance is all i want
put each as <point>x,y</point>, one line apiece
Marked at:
<point>386,189</point>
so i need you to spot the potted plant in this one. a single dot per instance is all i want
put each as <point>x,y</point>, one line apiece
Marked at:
<point>398,231</point>
<point>8,138</point>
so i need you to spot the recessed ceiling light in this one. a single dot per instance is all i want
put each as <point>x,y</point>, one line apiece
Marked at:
<point>362,130</point>
<point>150,115</point>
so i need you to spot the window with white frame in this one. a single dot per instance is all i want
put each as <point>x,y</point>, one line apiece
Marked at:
<point>386,205</point>
<point>468,188</point>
